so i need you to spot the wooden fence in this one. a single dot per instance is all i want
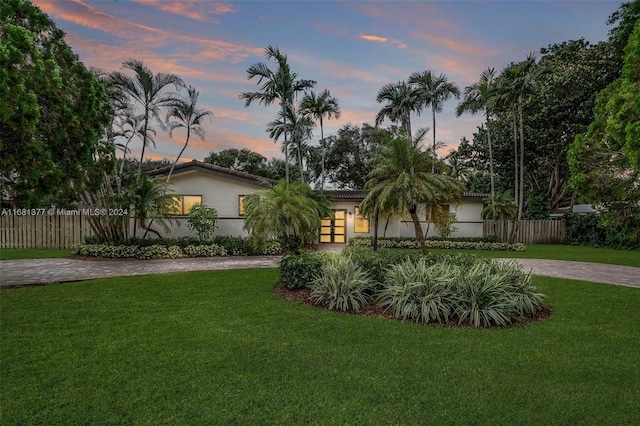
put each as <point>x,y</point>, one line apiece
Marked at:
<point>528,231</point>
<point>44,230</point>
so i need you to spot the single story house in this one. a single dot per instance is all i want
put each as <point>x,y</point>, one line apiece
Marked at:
<point>197,182</point>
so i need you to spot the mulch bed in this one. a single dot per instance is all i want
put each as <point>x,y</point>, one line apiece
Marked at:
<point>303,295</point>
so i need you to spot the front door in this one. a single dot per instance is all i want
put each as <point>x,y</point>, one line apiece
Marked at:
<point>334,229</point>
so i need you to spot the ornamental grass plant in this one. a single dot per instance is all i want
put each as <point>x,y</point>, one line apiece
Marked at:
<point>342,285</point>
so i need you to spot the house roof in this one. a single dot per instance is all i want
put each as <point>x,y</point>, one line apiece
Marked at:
<point>214,169</point>
<point>360,194</point>
<point>337,195</point>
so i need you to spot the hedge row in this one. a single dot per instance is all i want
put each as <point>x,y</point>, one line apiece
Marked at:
<point>412,243</point>
<point>160,251</point>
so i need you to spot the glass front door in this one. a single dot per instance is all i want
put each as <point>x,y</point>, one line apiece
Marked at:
<point>334,229</point>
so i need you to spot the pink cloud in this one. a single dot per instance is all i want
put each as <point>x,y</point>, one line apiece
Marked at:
<point>384,40</point>
<point>460,46</point>
<point>196,10</point>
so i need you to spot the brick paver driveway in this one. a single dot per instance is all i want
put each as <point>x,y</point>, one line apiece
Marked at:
<point>18,273</point>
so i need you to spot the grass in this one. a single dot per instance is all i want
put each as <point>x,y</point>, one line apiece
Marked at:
<point>9,254</point>
<point>562,252</point>
<point>220,348</point>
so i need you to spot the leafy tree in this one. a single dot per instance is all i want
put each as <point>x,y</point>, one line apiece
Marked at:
<point>319,107</point>
<point>202,220</point>
<point>291,211</point>
<point>401,99</point>
<point>184,114</point>
<point>433,92</point>
<point>351,154</point>
<point>281,85</point>
<point>53,113</point>
<point>148,92</point>
<point>401,183</point>
<point>605,161</point>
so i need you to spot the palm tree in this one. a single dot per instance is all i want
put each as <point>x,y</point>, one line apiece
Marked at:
<point>184,114</point>
<point>401,183</point>
<point>299,126</point>
<point>478,98</point>
<point>433,92</point>
<point>499,207</point>
<point>400,100</point>
<point>319,107</point>
<point>515,83</point>
<point>147,91</point>
<point>281,85</point>
<point>150,201</point>
<point>292,211</point>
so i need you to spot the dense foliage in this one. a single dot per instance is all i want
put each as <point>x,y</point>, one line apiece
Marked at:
<point>593,230</point>
<point>202,220</point>
<point>456,244</point>
<point>53,113</point>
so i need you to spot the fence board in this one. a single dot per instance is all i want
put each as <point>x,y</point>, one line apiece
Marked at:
<point>43,231</point>
<point>528,231</point>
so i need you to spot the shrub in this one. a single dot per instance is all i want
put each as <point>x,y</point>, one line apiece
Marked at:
<point>482,299</point>
<point>594,230</point>
<point>412,243</point>
<point>341,285</point>
<point>235,246</point>
<point>299,270</point>
<point>202,220</point>
<point>476,291</point>
<point>377,262</point>
<point>419,291</point>
<point>209,250</point>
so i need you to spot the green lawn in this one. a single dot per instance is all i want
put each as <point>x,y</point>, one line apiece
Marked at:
<point>8,254</point>
<point>562,252</point>
<point>220,348</point>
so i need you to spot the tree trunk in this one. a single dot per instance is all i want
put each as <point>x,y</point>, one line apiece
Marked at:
<point>375,231</point>
<point>418,230</point>
<point>493,185</point>
<point>521,191</point>
<point>322,148</point>
<point>433,164</point>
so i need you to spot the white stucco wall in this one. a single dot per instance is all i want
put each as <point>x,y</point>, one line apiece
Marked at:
<point>469,222</point>
<point>217,191</point>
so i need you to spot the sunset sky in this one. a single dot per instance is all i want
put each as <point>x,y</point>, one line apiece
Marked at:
<point>351,48</point>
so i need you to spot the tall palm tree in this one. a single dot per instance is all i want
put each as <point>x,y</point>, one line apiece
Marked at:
<point>516,82</point>
<point>433,92</point>
<point>298,126</point>
<point>281,85</point>
<point>319,107</point>
<point>401,99</point>
<point>479,97</point>
<point>184,114</point>
<point>401,183</point>
<point>147,91</point>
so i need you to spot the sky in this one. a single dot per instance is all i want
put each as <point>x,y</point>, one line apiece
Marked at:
<point>352,48</point>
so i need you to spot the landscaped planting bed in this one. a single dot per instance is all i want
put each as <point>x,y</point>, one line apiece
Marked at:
<point>459,290</point>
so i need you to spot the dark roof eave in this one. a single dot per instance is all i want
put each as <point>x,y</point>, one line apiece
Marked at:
<point>202,166</point>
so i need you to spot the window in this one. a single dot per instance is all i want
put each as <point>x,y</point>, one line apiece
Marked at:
<point>241,205</point>
<point>361,223</point>
<point>184,204</point>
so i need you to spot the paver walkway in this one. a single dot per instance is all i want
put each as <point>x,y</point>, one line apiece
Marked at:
<point>24,272</point>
